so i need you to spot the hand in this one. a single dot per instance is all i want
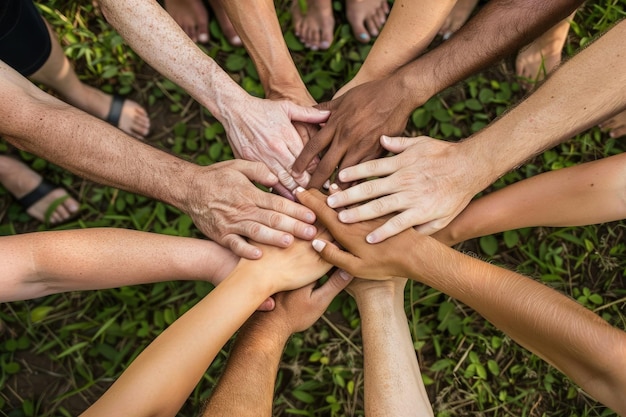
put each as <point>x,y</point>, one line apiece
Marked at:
<point>382,261</point>
<point>227,207</point>
<point>299,309</point>
<point>357,121</point>
<point>285,269</point>
<point>263,131</point>
<point>428,184</point>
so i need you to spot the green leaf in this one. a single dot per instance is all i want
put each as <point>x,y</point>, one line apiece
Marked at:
<point>489,245</point>
<point>292,42</point>
<point>40,313</point>
<point>511,238</point>
<point>305,397</point>
<point>421,118</point>
<point>235,62</point>
<point>473,104</point>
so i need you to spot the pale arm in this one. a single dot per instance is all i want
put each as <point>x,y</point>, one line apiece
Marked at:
<point>553,326</point>
<point>161,378</point>
<point>258,130</point>
<point>431,181</point>
<point>393,382</point>
<point>246,388</point>
<point>43,263</point>
<point>220,198</point>
<point>590,193</point>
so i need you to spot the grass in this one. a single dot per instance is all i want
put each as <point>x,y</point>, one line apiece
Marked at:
<point>59,353</point>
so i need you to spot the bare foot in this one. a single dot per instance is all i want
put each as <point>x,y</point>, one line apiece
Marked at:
<point>227,27</point>
<point>315,26</point>
<point>366,17</point>
<point>543,55</point>
<point>459,14</point>
<point>616,125</point>
<point>133,119</point>
<point>191,16</point>
<point>20,180</point>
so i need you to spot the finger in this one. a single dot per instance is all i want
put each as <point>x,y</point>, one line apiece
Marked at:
<point>335,256</point>
<point>327,165</point>
<point>286,207</point>
<point>283,191</point>
<point>433,226</point>
<point>331,288</point>
<point>380,167</point>
<point>366,191</point>
<point>286,179</point>
<point>327,105</point>
<point>397,144</point>
<point>240,247</point>
<point>316,201</point>
<point>352,159</point>
<point>267,305</point>
<point>392,227</point>
<point>316,145</point>
<point>256,171</point>
<point>305,114</point>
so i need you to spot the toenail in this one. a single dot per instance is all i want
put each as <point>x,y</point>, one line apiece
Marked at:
<point>325,45</point>
<point>203,38</point>
<point>363,36</point>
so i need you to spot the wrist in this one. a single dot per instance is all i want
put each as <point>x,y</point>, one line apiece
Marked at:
<point>294,91</point>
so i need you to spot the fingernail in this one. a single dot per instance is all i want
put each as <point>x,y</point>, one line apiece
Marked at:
<point>326,185</point>
<point>371,238</point>
<point>385,139</point>
<point>310,231</point>
<point>334,187</point>
<point>331,201</point>
<point>203,38</point>
<point>235,40</point>
<point>318,245</point>
<point>344,275</point>
<point>309,217</point>
<point>287,239</point>
<point>446,36</point>
<point>343,216</point>
<point>298,190</point>
<point>257,253</point>
<point>343,176</point>
<point>324,111</point>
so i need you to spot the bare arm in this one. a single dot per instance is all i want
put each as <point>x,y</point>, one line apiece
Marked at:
<point>589,193</point>
<point>220,198</point>
<point>393,382</point>
<point>431,181</point>
<point>385,105</point>
<point>246,388</point>
<point>258,130</point>
<point>161,378</point>
<point>38,264</point>
<point>410,28</point>
<point>553,326</point>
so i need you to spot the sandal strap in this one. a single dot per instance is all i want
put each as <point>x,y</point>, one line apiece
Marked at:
<point>43,189</point>
<point>115,111</point>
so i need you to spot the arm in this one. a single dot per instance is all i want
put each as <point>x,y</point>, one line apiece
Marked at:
<point>410,28</point>
<point>161,378</point>
<point>553,326</point>
<point>499,28</point>
<point>585,194</point>
<point>220,198</point>
<point>431,181</point>
<point>246,388</point>
<point>258,130</point>
<point>393,382</point>
<point>43,263</point>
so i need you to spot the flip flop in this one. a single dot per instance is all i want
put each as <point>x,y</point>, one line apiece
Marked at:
<point>115,111</point>
<point>43,189</point>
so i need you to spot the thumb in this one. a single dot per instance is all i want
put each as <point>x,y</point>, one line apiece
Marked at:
<point>396,144</point>
<point>306,114</point>
<point>256,171</point>
<point>327,105</point>
<point>331,288</point>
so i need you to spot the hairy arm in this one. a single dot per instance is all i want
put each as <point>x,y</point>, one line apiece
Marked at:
<point>246,388</point>
<point>549,324</point>
<point>42,263</point>
<point>393,382</point>
<point>161,378</point>
<point>220,198</point>
<point>385,105</point>
<point>258,130</point>
<point>429,181</point>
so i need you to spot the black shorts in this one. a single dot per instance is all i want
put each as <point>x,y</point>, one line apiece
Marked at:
<point>25,43</point>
